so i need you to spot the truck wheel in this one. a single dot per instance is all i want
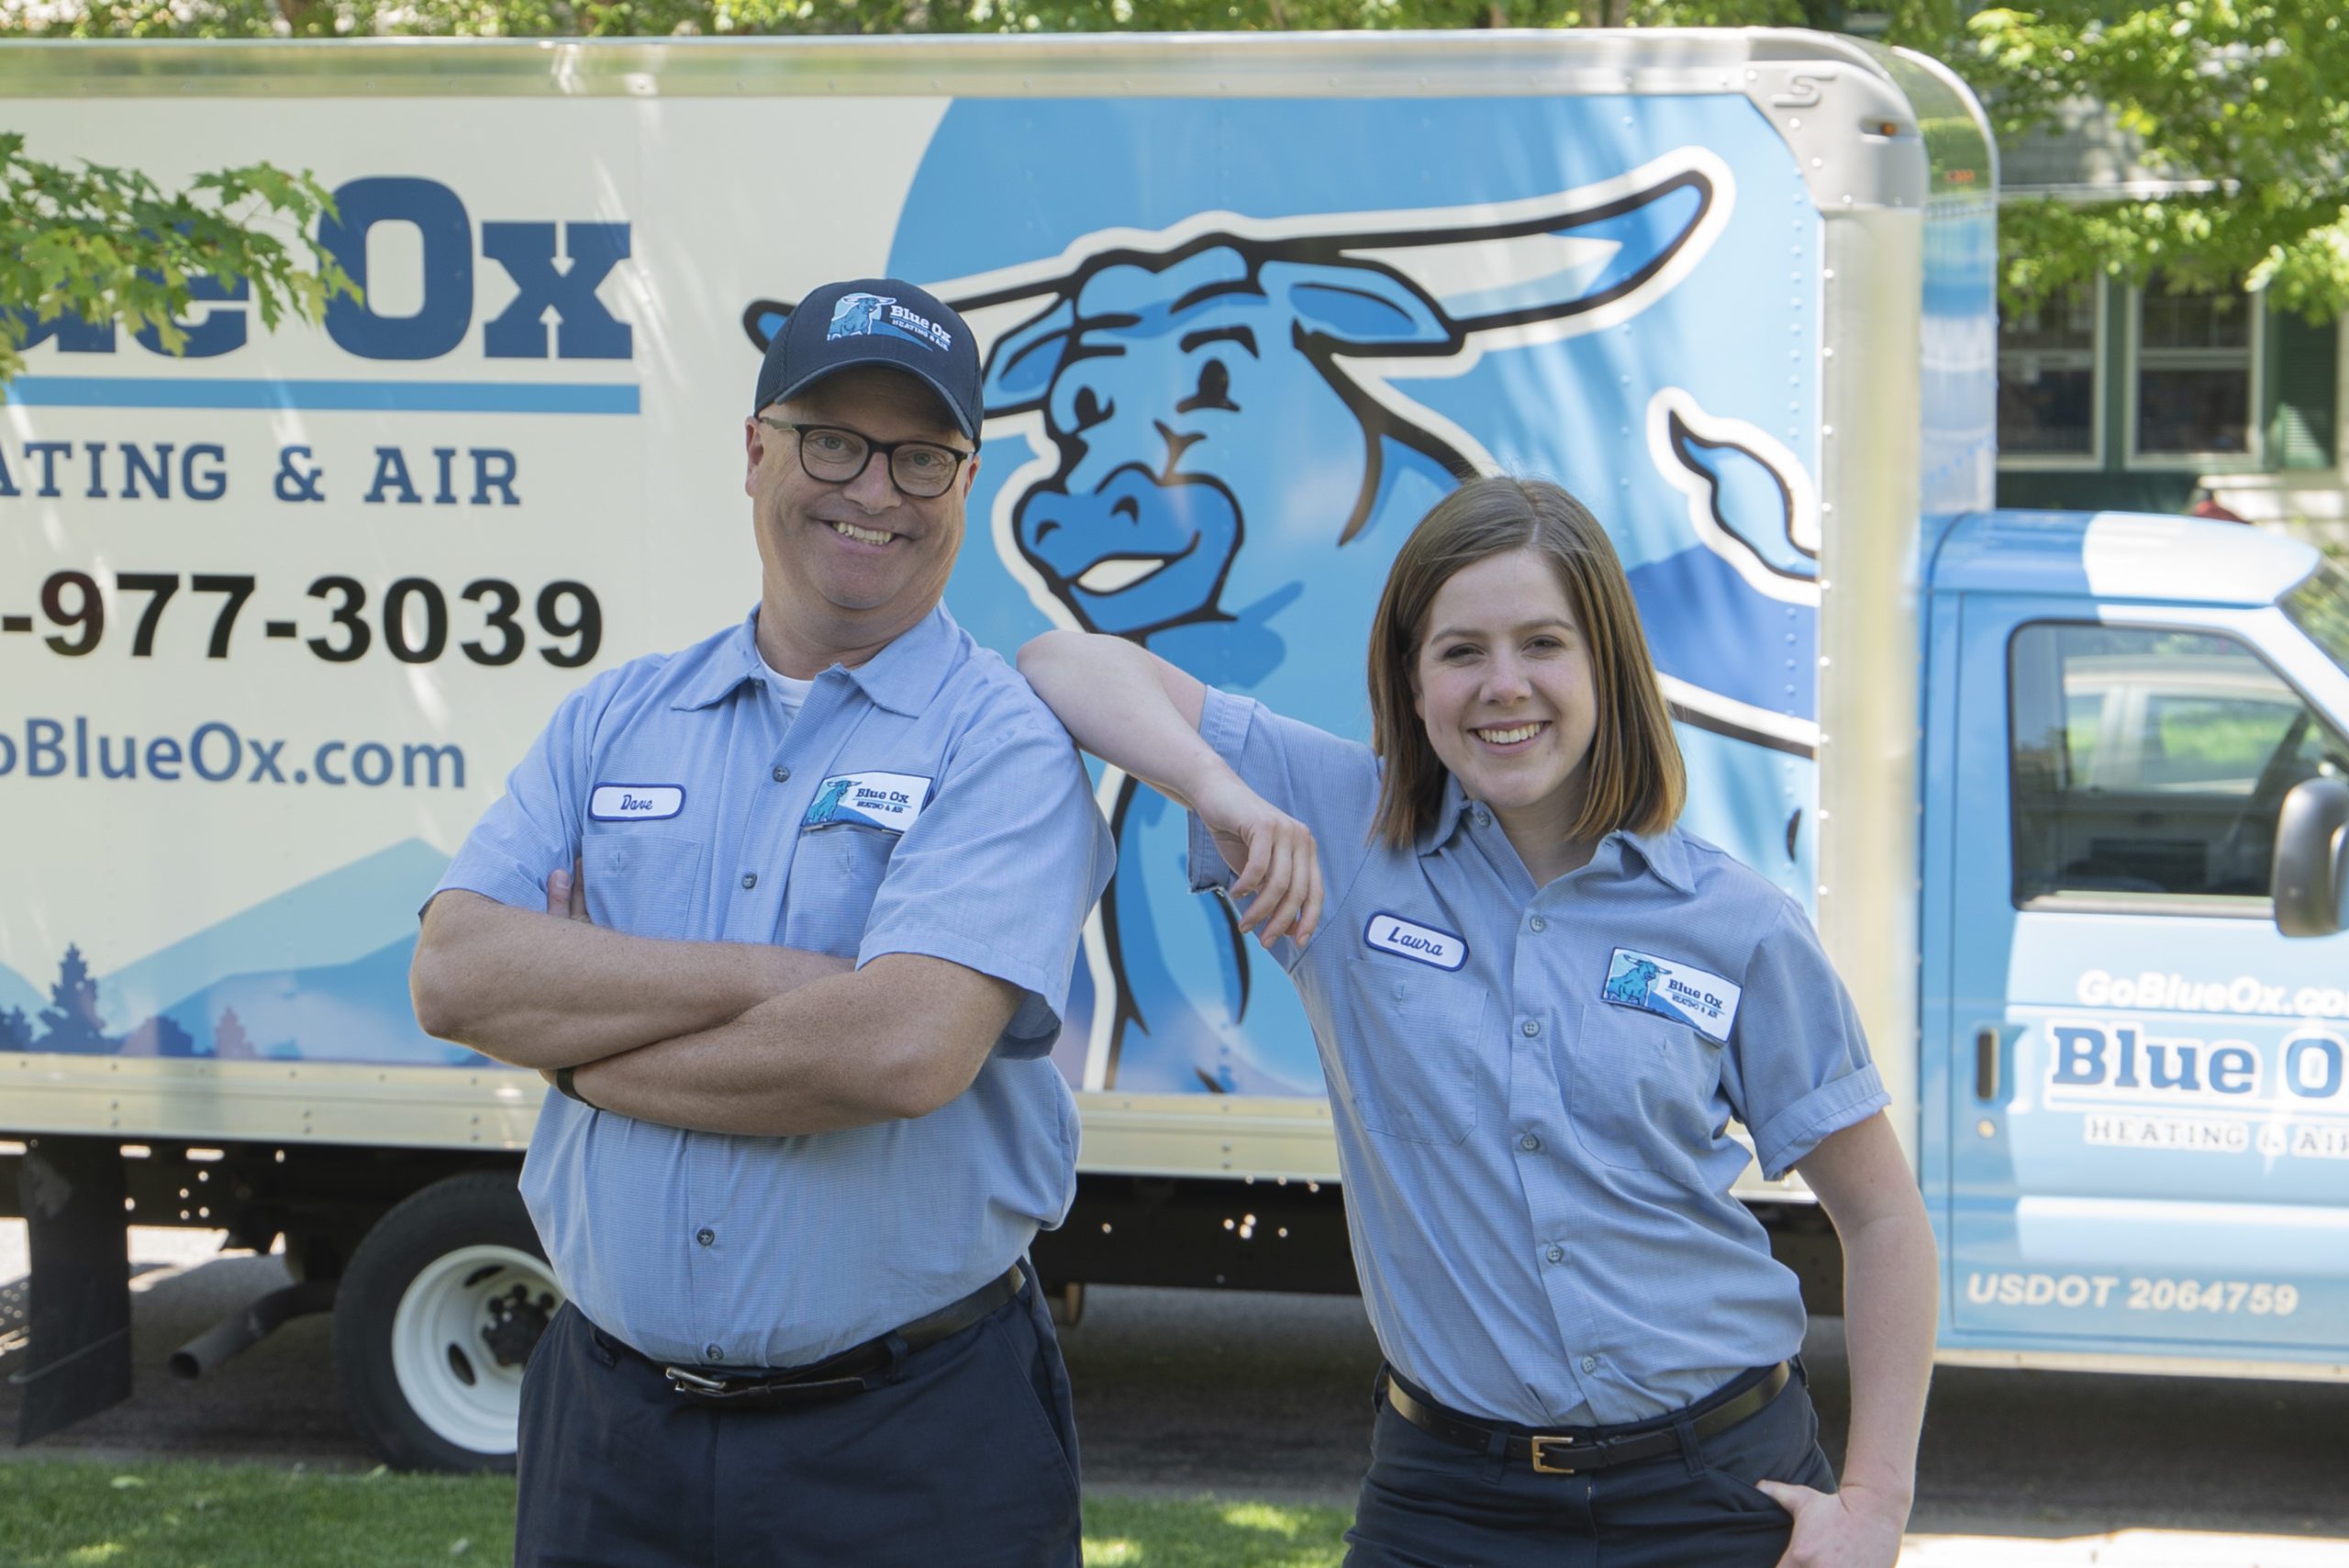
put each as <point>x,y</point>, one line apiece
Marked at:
<point>440,1308</point>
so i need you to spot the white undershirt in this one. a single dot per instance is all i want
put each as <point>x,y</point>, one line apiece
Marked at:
<point>788,693</point>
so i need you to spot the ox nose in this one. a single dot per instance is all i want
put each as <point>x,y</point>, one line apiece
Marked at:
<point>1133,552</point>
<point>1131,514</point>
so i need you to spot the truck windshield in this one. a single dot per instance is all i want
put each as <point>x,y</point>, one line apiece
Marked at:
<point>2320,607</point>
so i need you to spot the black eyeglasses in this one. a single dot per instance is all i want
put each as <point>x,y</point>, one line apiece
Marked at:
<point>921,469</point>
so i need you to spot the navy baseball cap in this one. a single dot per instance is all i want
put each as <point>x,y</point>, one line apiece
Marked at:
<point>875,321</point>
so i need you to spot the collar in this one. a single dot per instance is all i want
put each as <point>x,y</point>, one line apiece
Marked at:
<point>1665,855</point>
<point>1447,818</point>
<point>903,677</point>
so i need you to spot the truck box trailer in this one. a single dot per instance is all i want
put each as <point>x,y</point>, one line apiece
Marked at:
<point>276,616</point>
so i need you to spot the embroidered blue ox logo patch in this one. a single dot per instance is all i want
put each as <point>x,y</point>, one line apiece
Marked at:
<point>1704,1001</point>
<point>891,801</point>
<point>867,315</point>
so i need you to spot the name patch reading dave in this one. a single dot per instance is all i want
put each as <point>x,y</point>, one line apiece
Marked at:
<point>636,803</point>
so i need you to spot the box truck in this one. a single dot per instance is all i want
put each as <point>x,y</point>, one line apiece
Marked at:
<point>277,614</point>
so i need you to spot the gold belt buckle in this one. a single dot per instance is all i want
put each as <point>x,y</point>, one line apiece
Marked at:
<point>1542,1465</point>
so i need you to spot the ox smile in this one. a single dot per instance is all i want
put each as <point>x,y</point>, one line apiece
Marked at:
<point>862,536</point>
<point>1510,735</point>
<point>1123,572</point>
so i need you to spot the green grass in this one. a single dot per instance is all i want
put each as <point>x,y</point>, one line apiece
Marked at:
<point>76,1514</point>
<point>1127,1532</point>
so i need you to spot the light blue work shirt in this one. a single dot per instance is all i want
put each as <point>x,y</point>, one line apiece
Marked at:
<point>923,802</point>
<point>1532,1088</point>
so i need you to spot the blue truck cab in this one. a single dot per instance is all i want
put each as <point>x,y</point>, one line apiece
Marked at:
<point>2134,1118</point>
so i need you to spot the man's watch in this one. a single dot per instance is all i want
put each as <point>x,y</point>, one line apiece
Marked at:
<point>563,1085</point>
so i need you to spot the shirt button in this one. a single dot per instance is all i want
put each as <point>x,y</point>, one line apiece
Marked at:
<point>1530,1143</point>
<point>1590,1363</point>
<point>712,1353</point>
<point>1484,817</point>
<point>749,879</point>
<point>1556,1254</point>
<point>1529,1029</point>
<point>705,1236</point>
<point>1538,923</point>
<point>781,774</point>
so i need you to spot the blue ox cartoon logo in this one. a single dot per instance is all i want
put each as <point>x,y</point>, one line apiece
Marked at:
<point>1228,376</point>
<point>827,806</point>
<point>1215,427</point>
<point>857,315</point>
<point>1632,981</point>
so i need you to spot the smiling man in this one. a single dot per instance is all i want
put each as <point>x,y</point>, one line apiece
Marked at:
<point>789,916</point>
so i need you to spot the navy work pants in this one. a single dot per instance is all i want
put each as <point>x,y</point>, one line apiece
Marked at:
<point>963,1452</point>
<point>1427,1504</point>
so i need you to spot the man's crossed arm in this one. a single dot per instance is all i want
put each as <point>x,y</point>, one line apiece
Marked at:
<point>718,1037</point>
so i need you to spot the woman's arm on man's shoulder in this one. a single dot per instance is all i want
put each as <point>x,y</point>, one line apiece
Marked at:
<point>1140,713</point>
<point>1127,706</point>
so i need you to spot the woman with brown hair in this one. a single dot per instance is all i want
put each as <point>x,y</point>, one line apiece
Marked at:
<point>1539,1006</point>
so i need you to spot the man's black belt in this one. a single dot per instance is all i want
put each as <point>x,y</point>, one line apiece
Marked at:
<point>1569,1454</point>
<point>843,1374</point>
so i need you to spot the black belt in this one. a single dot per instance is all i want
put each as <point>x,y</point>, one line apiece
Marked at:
<point>841,1374</point>
<point>1569,1454</point>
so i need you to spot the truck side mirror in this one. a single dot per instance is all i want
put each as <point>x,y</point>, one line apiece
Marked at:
<point>2312,867</point>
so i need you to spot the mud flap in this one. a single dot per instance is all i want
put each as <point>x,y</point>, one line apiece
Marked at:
<point>78,1321</point>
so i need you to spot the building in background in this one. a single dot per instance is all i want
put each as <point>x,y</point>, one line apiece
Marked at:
<point>2117,395</point>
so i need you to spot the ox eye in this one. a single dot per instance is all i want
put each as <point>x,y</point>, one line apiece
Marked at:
<point>1214,391</point>
<point>1090,409</point>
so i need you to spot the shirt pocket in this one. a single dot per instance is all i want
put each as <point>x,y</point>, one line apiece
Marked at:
<point>1643,1091</point>
<point>835,873</point>
<point>1412,1070</point>
<point>643,884</point>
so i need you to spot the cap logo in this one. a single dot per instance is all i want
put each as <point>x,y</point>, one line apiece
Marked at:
<point>877,315</point>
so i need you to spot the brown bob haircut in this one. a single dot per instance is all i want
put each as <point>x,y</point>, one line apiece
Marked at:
<point>1634,773</point>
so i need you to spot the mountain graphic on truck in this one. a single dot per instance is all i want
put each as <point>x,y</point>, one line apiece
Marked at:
<point>319,972</point>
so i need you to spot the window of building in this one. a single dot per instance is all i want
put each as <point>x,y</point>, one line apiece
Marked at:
<point>2196,370</point>
<point>2152,762</point>
<point>2048,392</point>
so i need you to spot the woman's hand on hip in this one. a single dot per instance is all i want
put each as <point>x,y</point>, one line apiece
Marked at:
<point>1855,1528</point>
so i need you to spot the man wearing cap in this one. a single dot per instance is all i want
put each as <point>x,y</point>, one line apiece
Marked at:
<point>831,865</point>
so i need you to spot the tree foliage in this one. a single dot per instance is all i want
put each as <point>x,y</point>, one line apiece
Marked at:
<point>107,244</point>
<point>607,18</point>
<point>2233,97</point>
<point>2241,98</point>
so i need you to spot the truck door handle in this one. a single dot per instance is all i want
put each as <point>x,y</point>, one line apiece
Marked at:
<point>1986,1062</point>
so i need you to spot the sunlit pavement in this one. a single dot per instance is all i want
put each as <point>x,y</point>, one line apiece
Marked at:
<point>1186,1391</point>
<point>2125,1548</point>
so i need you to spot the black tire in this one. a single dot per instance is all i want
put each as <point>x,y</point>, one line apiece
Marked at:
<point>429,1331</point>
